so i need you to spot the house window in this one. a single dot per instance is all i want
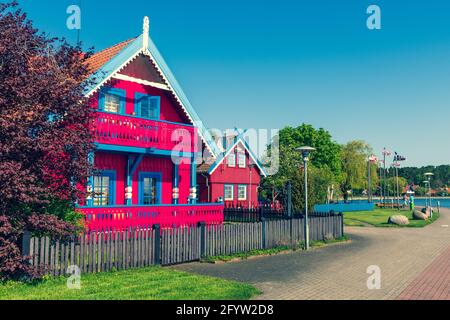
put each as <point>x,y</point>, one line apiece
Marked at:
<point>149,188</point>
<point>228,192</point>
<point>112,100</point>
<point>103,188</point>
<point>241,160</point>
<point>112,103</point>
<point>231,160</point>
<point>147,106</point>
<point>242,192</point>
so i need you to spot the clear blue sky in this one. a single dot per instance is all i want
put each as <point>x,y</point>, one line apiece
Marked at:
<point>268,64</point>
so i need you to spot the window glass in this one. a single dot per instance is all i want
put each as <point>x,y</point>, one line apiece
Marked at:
<point>112,103</point>
<point>242,192</point>
<point>149,107</point>
<point>149,191</point>
<point>231,160</point>
<point>241,160</point>
<point>228,192</point>
<point>102,190</point>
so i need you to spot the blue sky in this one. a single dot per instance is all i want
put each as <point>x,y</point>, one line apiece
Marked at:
<point>268,64</point>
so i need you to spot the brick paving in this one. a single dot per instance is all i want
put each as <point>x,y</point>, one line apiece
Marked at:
<point>433,283</point>
<point>414,264</point>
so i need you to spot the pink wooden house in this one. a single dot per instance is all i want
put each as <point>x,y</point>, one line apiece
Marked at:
<point>148,138</point>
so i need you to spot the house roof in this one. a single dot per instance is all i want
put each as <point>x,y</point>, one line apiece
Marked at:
<point>211,167</point>
<point>111,61</point>
<point>99,59</point>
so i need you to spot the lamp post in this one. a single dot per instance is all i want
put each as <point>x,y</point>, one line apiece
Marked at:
<point>429,175</point>
<point>425,182</point>
<point>305,151</point>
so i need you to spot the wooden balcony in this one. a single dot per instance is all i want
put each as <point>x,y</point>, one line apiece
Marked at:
<point>129,131</point>
<point>167,216</point>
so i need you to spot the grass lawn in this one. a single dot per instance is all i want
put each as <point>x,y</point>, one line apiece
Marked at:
<point>154,283</point>
<point>379,218</point>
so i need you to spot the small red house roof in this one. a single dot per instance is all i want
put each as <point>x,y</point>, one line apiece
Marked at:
<point>210,166</point>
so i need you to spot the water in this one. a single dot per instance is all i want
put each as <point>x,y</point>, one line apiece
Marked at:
<point>445,203</point>
<point>421,202</point>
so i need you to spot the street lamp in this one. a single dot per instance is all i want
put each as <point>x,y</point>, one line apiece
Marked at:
<point>305,151</point>
<point>429,175</point>
<point>425,182</point>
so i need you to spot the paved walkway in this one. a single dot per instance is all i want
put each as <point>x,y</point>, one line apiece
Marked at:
<point>405,257</point>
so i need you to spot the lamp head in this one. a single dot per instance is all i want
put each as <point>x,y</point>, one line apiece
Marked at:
<point>429,174</point>
<point>305,151</point>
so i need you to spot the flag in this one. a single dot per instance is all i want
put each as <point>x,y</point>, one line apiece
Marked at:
<point>373,158</point>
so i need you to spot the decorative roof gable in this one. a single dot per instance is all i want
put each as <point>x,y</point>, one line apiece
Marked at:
<point>239,140</point>
<point>110,62</point>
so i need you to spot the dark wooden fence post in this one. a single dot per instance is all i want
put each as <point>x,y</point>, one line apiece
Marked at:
<point>263,232</point>
<point>342,223</point>
<point>157,231</point>
<point>289,198</point>
<point>26,237</point>
<point>202,226</point>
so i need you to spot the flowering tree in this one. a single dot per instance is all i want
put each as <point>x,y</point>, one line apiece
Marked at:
<point>44,135</point>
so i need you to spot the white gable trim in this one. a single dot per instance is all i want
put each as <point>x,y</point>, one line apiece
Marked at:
<point>124,77</point>
<point>242,142</point>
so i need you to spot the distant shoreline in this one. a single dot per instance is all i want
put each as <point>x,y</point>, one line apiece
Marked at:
<point>401,197</point>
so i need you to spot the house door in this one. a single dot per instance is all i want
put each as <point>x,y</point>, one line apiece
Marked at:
<point>149,188</point>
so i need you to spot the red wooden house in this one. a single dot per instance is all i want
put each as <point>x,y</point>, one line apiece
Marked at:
<point>148,141</point>
<point>233,177</point>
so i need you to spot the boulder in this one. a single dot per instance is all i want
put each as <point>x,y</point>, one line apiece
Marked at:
<point>427,211</point>
<point>419,215</point>
<point>398,220</point>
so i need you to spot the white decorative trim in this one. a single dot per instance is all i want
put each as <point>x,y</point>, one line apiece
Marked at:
<point>141,81</point>
<point>145,33</point>
<point>232,148</point>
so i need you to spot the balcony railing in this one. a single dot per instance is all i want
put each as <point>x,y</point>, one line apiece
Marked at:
<point>115,129</point>
<point>167,216</point>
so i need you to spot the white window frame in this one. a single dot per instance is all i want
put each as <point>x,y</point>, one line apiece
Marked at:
<point>225,194</point>
<point>245,188</point>
<point>240,156</point>
<point>229,162</point>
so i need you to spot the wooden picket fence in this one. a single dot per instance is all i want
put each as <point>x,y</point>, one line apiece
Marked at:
<point>119,250</point>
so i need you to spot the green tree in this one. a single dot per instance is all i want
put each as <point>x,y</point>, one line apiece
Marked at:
<point>391,185</point>
<point>325,165</point>
<point>355,167</point>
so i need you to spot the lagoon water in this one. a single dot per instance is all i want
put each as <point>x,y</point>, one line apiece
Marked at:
<point>444,202</point>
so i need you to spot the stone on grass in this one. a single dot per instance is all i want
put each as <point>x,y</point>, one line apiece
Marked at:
<point>419,215</point>
<point>398,220</point>
<point>427,212</point>
<point>328,237</point>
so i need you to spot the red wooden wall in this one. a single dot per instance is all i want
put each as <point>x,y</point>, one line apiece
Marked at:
<point>169,109</point>
<point>230,175</point>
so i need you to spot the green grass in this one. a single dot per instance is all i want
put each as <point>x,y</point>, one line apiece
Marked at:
<point>379,218</point>
<point>272,251</point>
<point>154,283</point>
